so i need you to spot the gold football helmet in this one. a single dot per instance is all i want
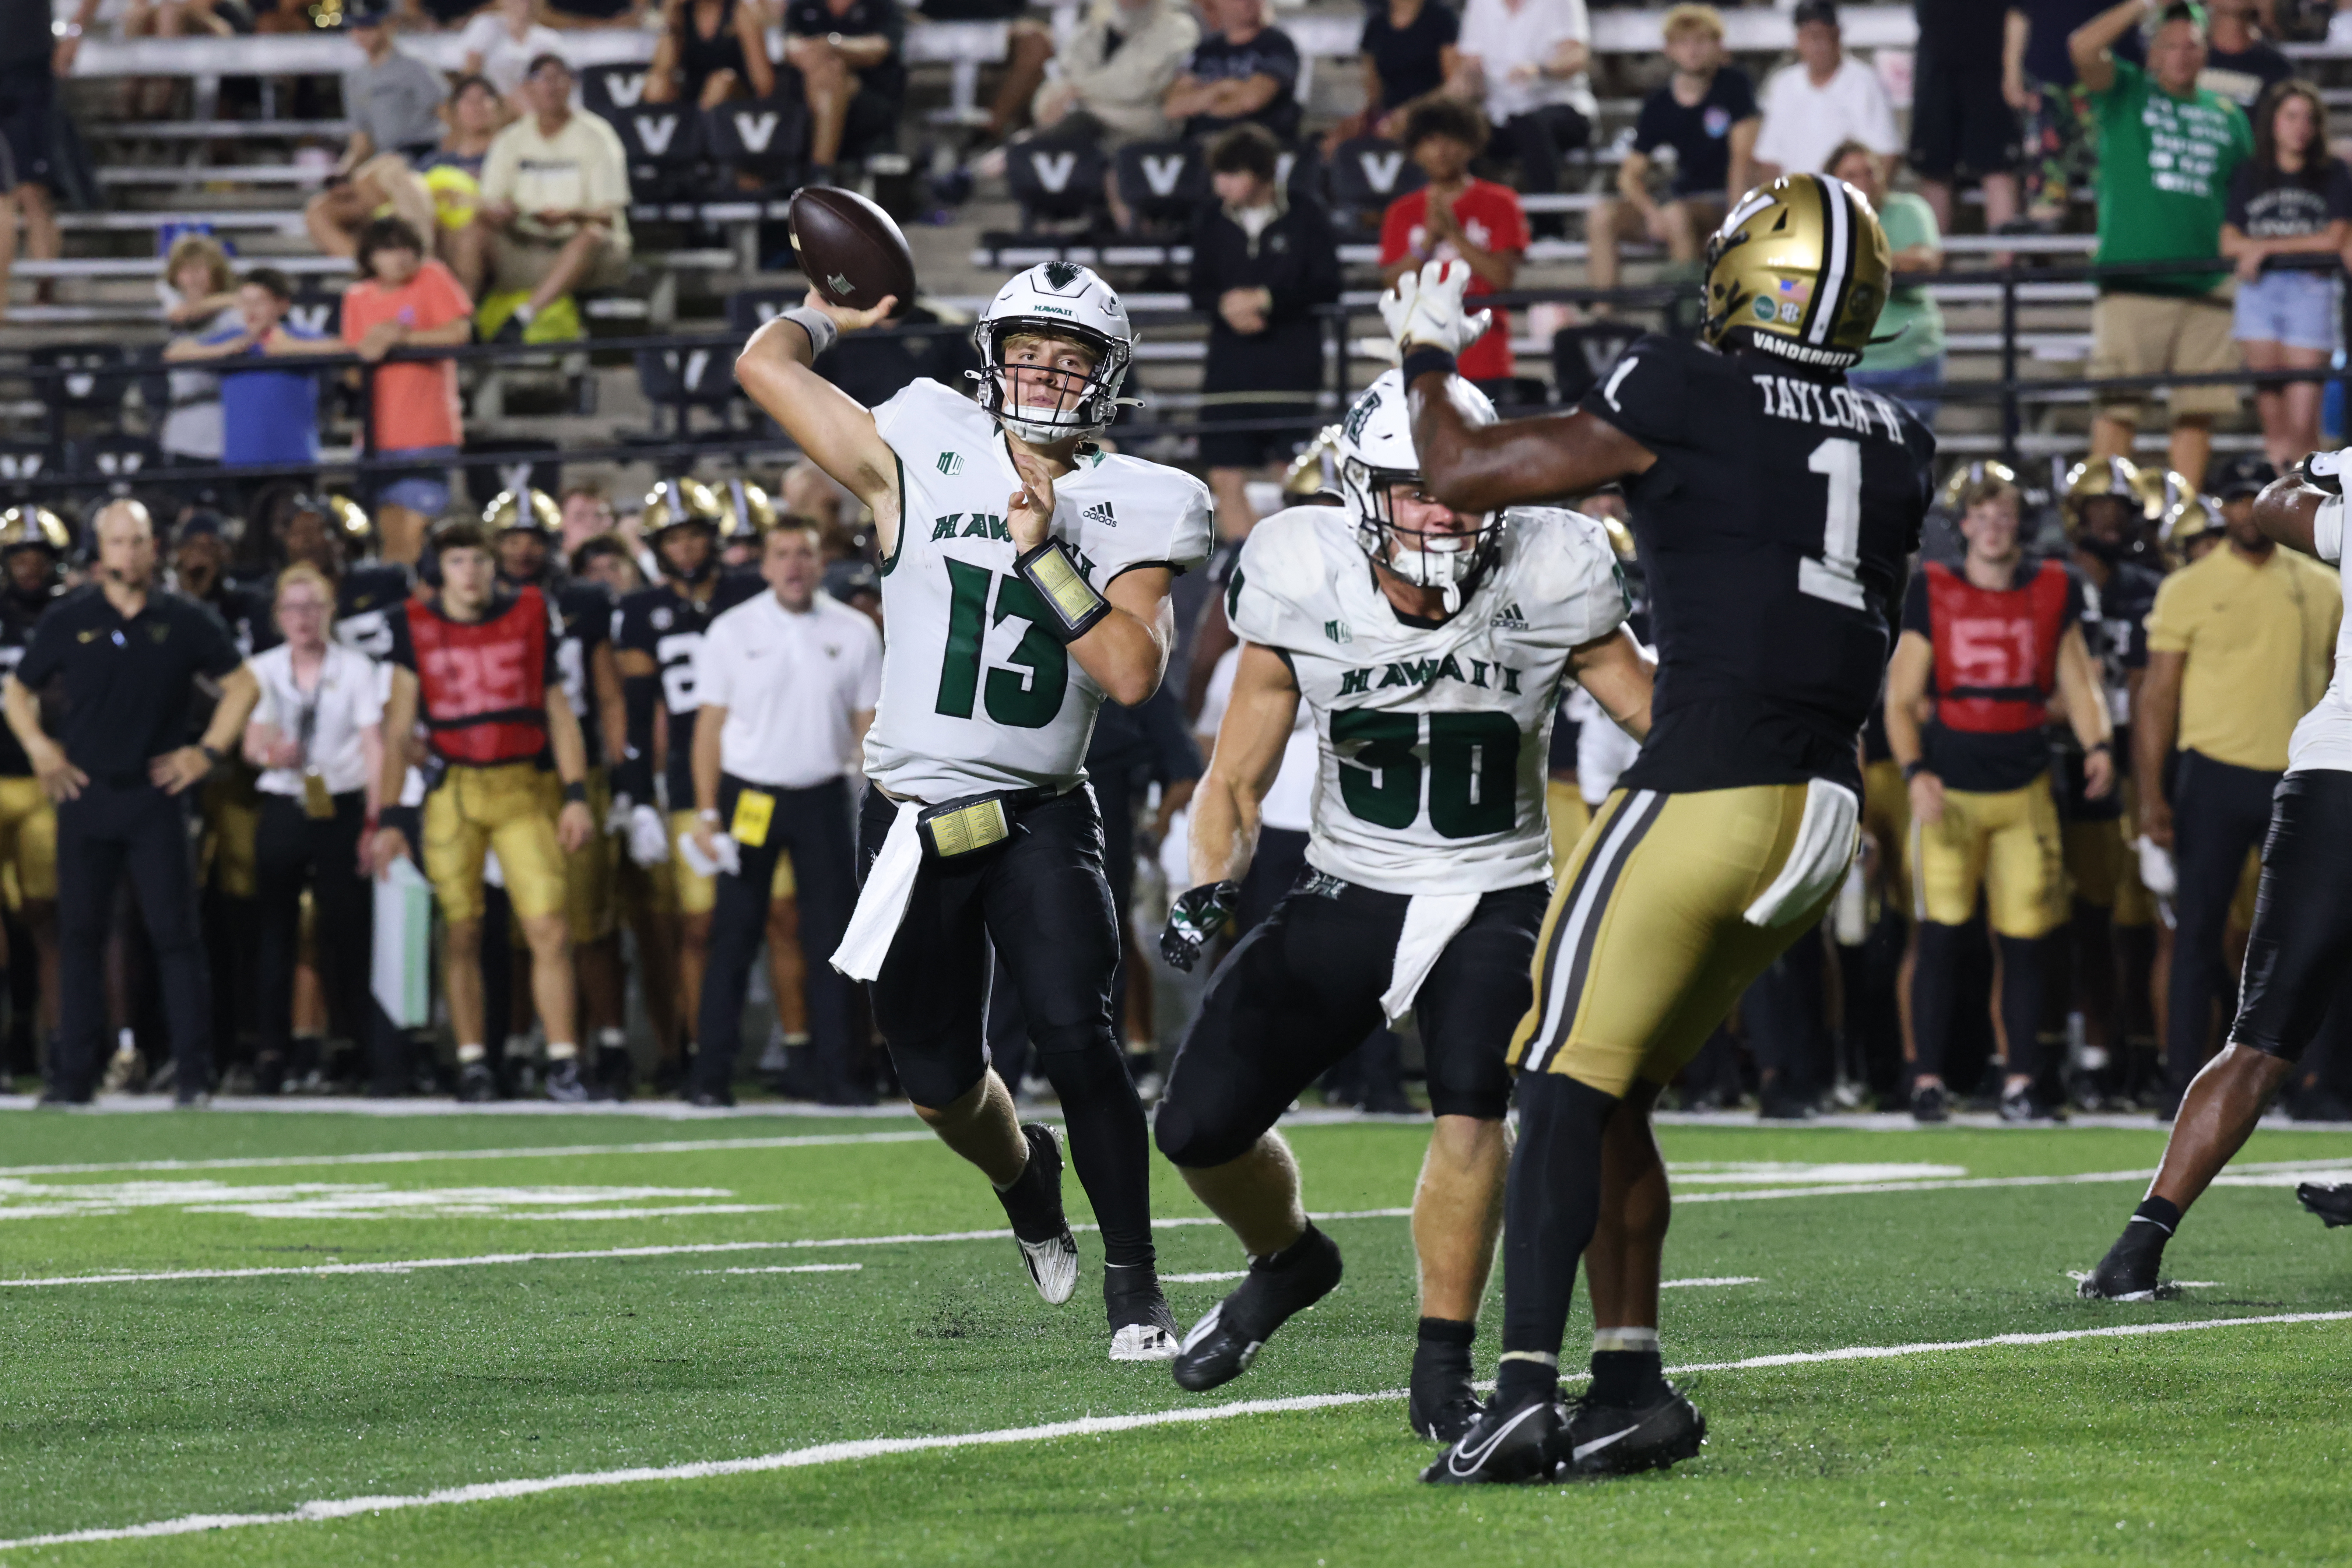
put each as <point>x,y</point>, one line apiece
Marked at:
<point>2117,477</point>
<point>746,514</point>
<point>1801,266</point>
<point>530,511</point>
<point>1313,472</point>
<point>674,503</point>
<point>2188,519</point>
<point>22,528</point>
<point>350,519</point>
<point>1964,475</point>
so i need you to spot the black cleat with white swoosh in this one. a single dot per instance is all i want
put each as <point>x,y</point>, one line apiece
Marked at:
<point>2332,1203</point>
<point>1614,1440</point>
<point>1508,1443</point>
<point>1221,1345</point>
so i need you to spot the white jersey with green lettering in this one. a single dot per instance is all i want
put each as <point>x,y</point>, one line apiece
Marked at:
<point>1434,735</point>
<point>977,693</point>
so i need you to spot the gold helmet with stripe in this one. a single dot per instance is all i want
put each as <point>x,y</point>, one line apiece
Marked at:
<point>674,503</point>
<point>1965,476</point>
<point>2118,477</point>
<point>349,517</point>
<point>527,511</point>
<point>745,512</point>
<point>1802,267</point>
<point>1315,470</point>
<point>23,528</point>
<point>2189,519</point>
<point>1621,538</point>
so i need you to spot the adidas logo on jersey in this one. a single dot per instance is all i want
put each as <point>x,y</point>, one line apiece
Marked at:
<point>1509,618</point>
<point>1101,512</point>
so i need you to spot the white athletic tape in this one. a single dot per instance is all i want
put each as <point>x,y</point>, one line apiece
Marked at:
<point>1086,1427</point>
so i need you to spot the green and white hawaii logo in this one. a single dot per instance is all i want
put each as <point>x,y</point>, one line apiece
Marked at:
<point>950,464</point>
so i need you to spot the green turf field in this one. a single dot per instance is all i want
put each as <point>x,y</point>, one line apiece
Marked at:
<point>296,1363</point>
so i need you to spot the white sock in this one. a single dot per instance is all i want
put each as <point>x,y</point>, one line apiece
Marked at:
<point>611,1039</point>
<point>561,1050</point>
<point>469,1055</point>
<point>1625,1339</point>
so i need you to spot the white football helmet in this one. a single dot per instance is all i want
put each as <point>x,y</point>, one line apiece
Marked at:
<point>1065,300</point>
<point>1375,453</point>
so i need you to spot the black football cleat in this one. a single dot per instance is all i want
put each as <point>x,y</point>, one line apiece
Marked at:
<point>2331,1203</point>
<point>2128,1271</point>
<point>1221,1345</point>
<point>1049,1253</point>
<point>1930,1104</point>
<point>477,1084</point>
<point>1442,1416</point>
<point>1142,1328</point>
<point>564,1083</point>
<point>1506,1444</point>
<point>1615,1440</point>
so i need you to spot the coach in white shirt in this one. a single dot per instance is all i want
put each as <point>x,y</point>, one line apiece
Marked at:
<point>1825,97</point>
<point>787,683</point>
<point>317,735</point>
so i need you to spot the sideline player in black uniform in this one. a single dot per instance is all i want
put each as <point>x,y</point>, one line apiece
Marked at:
<point>2299,956</point>
<point>1775,507</point>
<point>656,635</point>
<point>34,541</point>
<point>525,529</point>
<point>328,532</point>
<point>2114,924</point>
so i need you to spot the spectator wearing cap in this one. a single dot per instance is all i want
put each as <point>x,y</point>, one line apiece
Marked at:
<point>2168,150</point>
<point>555,205</point>
<point>1524,63</point>
<point>1905,357</point>
<point>1825,98</point>
<point>1262,263</point>
<point>2240,63</point>
<point>2292,198</point>
<point>393,101</point>
<point>1244,69</point>
<point>270,406</point>
<point>125,657</point>
<point>1706,115</point>
<point>405,299</point>
<point>2239,649</point>
<point>316,734</point>
<point>1962,125</point>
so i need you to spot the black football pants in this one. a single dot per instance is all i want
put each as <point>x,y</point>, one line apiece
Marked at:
<point>115,826</point>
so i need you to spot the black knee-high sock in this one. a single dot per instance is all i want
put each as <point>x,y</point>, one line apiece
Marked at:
<point>1935,991</point>
<point>1108,1144</point>
<point>2021,1001</point>
<point>1550,1212</point>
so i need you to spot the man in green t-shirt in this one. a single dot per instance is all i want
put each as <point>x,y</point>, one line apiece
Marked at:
<point>1906,352</point>
<point>2167,148</point>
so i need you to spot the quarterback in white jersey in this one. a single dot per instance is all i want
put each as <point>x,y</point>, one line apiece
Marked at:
<point>1431,647</point>
<point>1024,578</point>
<point>2299,949</point>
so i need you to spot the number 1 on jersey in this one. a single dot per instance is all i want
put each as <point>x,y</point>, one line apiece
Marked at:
<point>1832,574</point>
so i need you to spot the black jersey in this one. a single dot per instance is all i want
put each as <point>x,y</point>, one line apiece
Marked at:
<point>1773,529</point>
<point>667,625</point>
<point>2114,628</point>
<point>246,611</point>
<point>19,614</point>
<point>585,608</point>
<point>365,602</point>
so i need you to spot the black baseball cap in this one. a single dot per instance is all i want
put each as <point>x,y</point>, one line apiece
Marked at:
<point>2244,475</point>
<point>1822,11</point>
<point>366,14</point>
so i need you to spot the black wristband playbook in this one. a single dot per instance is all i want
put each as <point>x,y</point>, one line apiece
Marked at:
<point>1420,361</point>
<point>1074,605</point>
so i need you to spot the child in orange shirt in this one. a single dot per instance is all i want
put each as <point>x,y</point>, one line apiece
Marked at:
<point>405,299</point>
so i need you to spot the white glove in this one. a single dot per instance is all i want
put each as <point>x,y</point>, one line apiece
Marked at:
<point>2156,869</point>
<point>616,820</point>
<point>731,858</point>
<point>648,837</point>
<point>1425,312</point>
<point>493,874</point>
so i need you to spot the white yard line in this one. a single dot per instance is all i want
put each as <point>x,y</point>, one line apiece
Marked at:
<point>428,1156</point>
<point>1725,1280</point>
<point>788,1269</point>
<point>1088,1426</point>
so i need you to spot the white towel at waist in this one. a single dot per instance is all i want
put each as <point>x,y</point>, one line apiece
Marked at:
<point>882,903</point>
<point>1431,921</point>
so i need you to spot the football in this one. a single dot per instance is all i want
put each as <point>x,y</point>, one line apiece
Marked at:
<point>851,249</point>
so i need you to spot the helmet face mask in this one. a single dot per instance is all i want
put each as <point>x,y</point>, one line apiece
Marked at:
<point>1799,270</point>
<point>1377,460</point>
<point>1057,302</point>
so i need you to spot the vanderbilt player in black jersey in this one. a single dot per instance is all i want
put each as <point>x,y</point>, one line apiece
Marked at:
<point>526,528</point>
<point>330,532</point>
<point>1775,508</point>
<point>656,635</point>
<point>34,542</point>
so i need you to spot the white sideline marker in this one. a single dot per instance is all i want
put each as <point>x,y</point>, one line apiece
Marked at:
<point>1086,1427</point>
